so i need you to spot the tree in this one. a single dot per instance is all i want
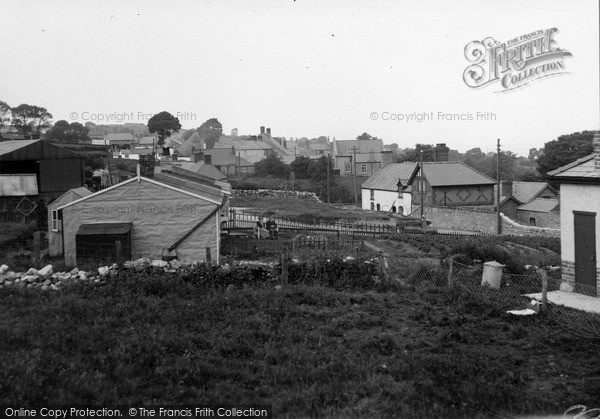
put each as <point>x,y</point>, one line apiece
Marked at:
<point>318,169</point>
<point>211,131</point>
<point>4,113</point>
<point>164,124</point>
<point>30,118</point>
<point>366,137</point>
<point>272,166</point>
<point>414,154</point>
<point>62,131</point>
<point>564,150</point>
<point>301,167</point>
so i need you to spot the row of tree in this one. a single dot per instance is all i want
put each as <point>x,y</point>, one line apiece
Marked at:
<point>28,119</point>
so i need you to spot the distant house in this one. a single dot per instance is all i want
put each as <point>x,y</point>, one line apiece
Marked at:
<point>250,150</point>
<point>579,224</point>
<point>116,140</point>
<point>388,189</point>
<point>132,154</point>
<point>517,196</point>
<point>367,154</point>
<point>228,162</point>
<point>148,142</point>
<point>541,212</point>
<point>202,166</point>
<point>451,184</point>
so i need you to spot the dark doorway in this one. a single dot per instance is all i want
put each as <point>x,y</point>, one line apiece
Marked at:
<point>585,253</point>
<point>103,242</point>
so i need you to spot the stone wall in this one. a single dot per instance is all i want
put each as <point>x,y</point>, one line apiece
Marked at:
<point>480,221</point>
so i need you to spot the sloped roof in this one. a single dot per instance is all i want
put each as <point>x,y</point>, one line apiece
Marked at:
<point>527,191</point>
<point>224,157</point>
<point>195,141</point>
<point>204,169</point>
<point>387,177</point>
<point>540,205</point>
<point>454,173</point>
<point>243,145</point>
<point>122,136</point>
<point>33,150</point>
<point>18,185</point>
<point>148,140</point>
<point>582,168</point>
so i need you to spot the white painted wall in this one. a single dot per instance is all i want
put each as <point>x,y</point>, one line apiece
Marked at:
<point>386,199</point>
<point>577,198</point>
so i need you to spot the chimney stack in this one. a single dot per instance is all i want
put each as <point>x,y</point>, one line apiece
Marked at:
<point>207,159</point>
<point>262,130</point>
<point>147,165</point>
<point>441,152</point>
<point>507,188</point>
<point>597,151</point>
<point>269,132</point>
<point>198,156</point>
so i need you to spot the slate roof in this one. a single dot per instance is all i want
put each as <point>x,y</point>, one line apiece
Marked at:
<point>205,169</point>
<point>225,157</point>
<point>454,173</point>
<point>149,141</point>
<point>387,177</point>
<point>582,168</point>
<point>119,137</point>
<point>540,205</point>
<point>527,191</point>
<point>243,145</point>
<point>343,147</point>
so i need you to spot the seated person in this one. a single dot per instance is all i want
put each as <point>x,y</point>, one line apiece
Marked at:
<point>272,227</point>
<point>259,229</point>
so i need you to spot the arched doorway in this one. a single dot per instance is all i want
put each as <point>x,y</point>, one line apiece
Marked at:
<point>378,207</point>
<point>393,208</point>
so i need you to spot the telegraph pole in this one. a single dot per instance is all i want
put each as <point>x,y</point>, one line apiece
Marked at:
<point>498,219</point>
<point>328,197</point>
<point>354,170</point>
<point>239,167</point>
<point>421,183</point>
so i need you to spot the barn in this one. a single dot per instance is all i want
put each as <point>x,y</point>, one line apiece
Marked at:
<point>55,246</point>
<point>154,215</point>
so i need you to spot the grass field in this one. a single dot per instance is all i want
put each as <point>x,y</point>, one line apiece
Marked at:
<point>307,350</point>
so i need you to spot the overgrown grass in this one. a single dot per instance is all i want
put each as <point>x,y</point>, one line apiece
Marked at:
<point>148,337</point>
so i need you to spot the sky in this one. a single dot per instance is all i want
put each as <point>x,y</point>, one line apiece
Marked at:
<point>306,68</point>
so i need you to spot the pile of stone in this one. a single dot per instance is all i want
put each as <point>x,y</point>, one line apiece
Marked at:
<point>46,279</point>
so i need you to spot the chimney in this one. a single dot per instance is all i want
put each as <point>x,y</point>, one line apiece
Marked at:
<point>506,188</point>
<point>440,152</point>
<point>262,130</point>
<point>147,165</point>
<point>198,156</point>
<point>269,132</point>
<point>207,159</point>
<point>597,151</point>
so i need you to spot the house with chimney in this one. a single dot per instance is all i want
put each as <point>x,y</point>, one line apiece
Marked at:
<point>530,203</point>
<point>579,223</point>
<point>363,157</point>
<point>388,189</point>
<point>158,214</point>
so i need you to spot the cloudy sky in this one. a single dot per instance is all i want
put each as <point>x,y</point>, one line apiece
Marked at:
<point>303,68</point>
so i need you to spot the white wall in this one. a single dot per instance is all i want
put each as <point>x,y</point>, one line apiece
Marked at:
<point>386,199</point>
<point>577,198</point>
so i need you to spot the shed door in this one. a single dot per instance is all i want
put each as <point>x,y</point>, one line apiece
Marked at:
<point>585,253</point>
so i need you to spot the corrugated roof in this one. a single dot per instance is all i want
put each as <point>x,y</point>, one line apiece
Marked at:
<point>581,168</point>
<point>387,177</point>
<point>540,205</point>
<point>18,185</point>
<point>454,174</point>
<point>103,228</point>
<point>33,150</point>
<point>7,147</point>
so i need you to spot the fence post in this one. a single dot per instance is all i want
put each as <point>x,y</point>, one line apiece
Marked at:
<point>119,252</point>
<point>208,255</point>
<point>544,289</point>
<point>357,253</point>
<point>37,247</point>
<point>284,268</point>
<point>383,268</point>
<point>450,278</point>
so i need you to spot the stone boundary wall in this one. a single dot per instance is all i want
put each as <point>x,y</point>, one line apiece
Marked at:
<point>274,193</point>
<point>481,221</point>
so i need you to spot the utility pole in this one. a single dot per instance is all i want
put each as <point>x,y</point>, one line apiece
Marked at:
<point>328,197</point>
<point>108,153</point>
<point>421,183</point>
<point>239,167</point>
<point>353,149</point>
<point>498,219</point>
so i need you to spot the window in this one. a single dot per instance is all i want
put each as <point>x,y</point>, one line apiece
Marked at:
<point>363,168</point>
<point>54,220</point>
<point>378,207</point>
<point>372,193</point>
<point>531,221</point>
<point>372,206</point>
<point>348,167</point>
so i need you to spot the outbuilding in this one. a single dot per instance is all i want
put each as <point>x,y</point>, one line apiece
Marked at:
<point>55,244</point>
<point>174,214</point>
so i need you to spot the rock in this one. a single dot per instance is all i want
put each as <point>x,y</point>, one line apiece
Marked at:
<point>45,287</point>
<point>278,287</point>
<point>30,285</point>
<point>67,275</point>
<point>47,282</point>
<point>29,278</point>
<point>7,283</point>
<point>159,263</point>
<point>2,278</point>
<point>17,280</point>
<point>75,271</point>
<point>46,271</point>
<point>53,287</point>
<point>230,288</point>
<point>83,274</point>
<point>566,287</point>
<point>3,269</point>
<point>103,270</point>
<point>31,271</point>
<point>175,264</point>
<point>11,275</point>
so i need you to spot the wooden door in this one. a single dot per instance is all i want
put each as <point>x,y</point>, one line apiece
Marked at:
<point>585,252</point>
